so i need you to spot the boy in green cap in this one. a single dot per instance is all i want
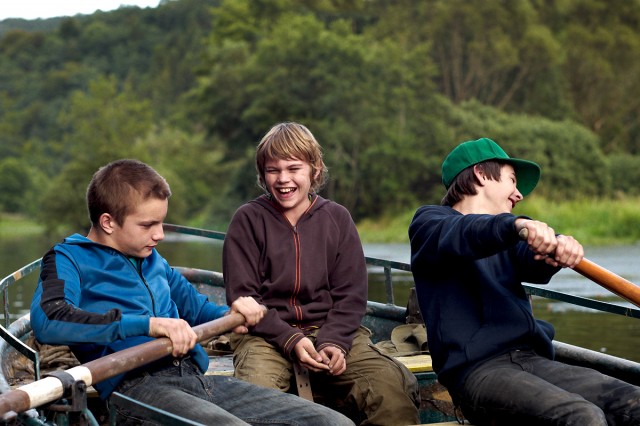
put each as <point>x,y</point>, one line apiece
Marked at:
<point>469,263</point>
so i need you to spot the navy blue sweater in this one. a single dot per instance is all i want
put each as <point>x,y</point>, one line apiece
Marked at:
<point>468,271</point>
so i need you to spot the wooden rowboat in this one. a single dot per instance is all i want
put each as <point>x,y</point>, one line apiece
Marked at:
<point>23,366</point>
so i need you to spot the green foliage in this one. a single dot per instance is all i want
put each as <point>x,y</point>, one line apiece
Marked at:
<point>602,63</point>
<point>195,170</point>
<point>364,101</point>
<point>12,24</point>
<point>625,174</point>
<point>388,88</point>
<point>17,226</point>
<point>63,206</point>
<point>572,163</point>
<point>16,183</point>
<point>592,221</point>
<point>101,125</point>
<point>388,229</point>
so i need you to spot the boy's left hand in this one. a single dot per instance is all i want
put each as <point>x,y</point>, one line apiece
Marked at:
<point>334,359</point>
<point>562,250</point>
<point>308,356</point>
<point>569,252</point>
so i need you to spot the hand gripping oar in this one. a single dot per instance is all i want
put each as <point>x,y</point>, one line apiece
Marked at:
<point>607,279</point>
<point>51,388</point>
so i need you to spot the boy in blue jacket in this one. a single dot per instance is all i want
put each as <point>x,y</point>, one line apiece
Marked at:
<point>469,263</point>
<point>111,290</point>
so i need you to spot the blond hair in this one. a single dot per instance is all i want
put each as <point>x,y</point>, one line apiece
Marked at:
<point>286,141</point>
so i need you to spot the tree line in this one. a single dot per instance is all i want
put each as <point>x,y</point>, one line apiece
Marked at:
<point>387,87</point>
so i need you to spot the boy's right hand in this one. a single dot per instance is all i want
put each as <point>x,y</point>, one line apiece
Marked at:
<point>308,356</point>
<point>182,336</point>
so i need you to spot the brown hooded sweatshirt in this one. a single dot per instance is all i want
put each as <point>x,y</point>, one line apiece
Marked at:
<point>309,276</point>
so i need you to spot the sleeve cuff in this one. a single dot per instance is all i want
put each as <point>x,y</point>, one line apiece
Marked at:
<point>135,325</point>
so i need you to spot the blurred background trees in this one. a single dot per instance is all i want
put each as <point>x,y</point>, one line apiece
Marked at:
<point>387,87</point>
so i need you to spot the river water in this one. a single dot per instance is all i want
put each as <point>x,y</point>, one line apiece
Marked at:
<point>603,332</point>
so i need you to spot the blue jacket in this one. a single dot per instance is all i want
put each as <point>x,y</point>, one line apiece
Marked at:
<point>468,271</point>
<point>96,300</point>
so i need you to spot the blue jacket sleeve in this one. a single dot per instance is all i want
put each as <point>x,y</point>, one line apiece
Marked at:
<point>56,315</point>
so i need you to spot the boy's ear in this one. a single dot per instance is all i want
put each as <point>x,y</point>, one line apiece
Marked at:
<point>314,180</point>
<point>478,172</point>
<point>107,223</point>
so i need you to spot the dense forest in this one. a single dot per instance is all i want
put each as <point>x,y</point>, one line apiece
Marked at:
<point>388,87</point>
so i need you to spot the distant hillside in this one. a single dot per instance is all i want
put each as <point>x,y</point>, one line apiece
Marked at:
<point>29,25</point>
<point>388,88</point>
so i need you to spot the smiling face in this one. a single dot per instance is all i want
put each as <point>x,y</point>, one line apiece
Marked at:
<point>141,230</point>
<point>289,183</point>
<point>500,196</point>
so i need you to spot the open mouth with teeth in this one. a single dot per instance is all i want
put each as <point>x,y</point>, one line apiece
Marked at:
<point>285,191</point>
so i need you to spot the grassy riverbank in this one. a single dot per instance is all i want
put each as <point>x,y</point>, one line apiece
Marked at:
<point>18,226</point>
<point>593,222</point>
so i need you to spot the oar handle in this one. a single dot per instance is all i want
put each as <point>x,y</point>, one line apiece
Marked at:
<point>605,278</point>
<point>50,388</point>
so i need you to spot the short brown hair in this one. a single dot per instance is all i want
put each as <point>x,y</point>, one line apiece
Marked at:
<point>465,182</point>
<point>117,187</point>
<point>289,140</point>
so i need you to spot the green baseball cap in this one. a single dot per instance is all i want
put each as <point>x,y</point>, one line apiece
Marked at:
<point>473,152</point>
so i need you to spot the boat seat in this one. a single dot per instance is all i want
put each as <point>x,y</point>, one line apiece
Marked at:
<point>223,365</point>
<point>417,363</point>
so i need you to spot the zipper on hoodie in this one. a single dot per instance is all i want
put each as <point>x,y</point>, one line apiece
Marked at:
<point>138,268</point>
<point>296,285</point>
<point>296,242</point>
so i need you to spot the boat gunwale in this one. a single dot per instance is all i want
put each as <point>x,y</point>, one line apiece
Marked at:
<point>388,268</point>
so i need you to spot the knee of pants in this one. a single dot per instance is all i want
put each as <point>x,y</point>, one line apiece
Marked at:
<point>388,397</point>
<point>396,375</point>
<point>587,414</point>
<point>582,413</point>
<point>258,362</point>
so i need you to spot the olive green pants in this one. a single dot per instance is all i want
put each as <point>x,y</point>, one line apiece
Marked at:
<point>374,390</point>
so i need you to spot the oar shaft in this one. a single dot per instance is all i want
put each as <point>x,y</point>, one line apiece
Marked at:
<point>50,389</point>
<point>607,279</point>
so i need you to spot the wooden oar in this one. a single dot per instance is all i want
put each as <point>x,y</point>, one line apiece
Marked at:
<point>51,389</point>
<point>607,279</point>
